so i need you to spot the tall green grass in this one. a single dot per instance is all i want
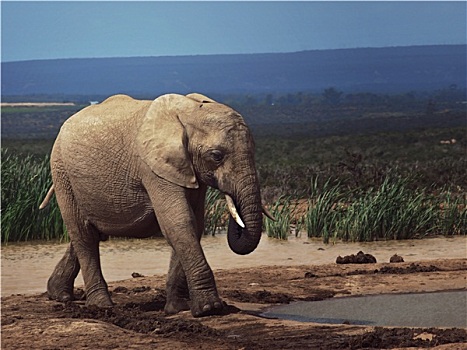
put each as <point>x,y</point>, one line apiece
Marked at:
<point>324,210</point>
<point>451,214</point>
<point>391,210</point>
<point>284,211</point>
<point>25,182</point>
<point>215,218</point>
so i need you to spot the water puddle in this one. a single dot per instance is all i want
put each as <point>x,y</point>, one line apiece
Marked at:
<point>27,266</point>
<point>437,309</point>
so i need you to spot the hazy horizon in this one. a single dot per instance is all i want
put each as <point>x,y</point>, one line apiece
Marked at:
<point>223,54</point>
<point>108,29</point>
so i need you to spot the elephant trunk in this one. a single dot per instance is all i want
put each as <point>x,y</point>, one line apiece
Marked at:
<point>244,240</point>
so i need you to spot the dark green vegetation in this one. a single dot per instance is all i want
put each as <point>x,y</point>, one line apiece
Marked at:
<point>33,129</point>
<point>355,167</point>
<point>25,181</point>
<point>389,211</point>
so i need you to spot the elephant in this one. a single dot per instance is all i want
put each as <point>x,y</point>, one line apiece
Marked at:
<point>138,168</point>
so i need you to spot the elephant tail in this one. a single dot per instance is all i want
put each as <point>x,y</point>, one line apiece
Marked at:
<point>49,195</point>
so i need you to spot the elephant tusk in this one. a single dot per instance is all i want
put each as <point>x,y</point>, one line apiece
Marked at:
<point>268,213</point>
<point>233,211</point>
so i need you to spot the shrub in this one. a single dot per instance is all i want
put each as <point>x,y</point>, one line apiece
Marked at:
<point>25,182</point>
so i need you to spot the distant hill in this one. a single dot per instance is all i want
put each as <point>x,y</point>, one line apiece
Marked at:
<point>391,69</point>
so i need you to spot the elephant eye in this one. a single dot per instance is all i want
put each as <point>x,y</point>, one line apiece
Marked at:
<point>216,155</point>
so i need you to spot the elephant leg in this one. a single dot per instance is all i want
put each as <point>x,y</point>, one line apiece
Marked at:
<point>84,242</point>
<point>178,294</point>
<point>60,283</point>
<point>176,287</point>
<point>177,220</point>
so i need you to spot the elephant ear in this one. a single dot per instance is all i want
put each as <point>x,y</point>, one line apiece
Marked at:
<point>162,142</point>
<point>200,98</point>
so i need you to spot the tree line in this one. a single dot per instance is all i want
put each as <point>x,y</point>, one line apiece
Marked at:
<point>330,96</point>
<point>451,96</point>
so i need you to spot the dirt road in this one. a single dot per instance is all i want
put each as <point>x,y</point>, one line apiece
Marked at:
<point>138,322</point>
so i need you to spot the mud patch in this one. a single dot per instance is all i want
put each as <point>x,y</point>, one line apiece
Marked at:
<point>359,258</point>
<point>384,338</point>
<point>258,297</point>
<point>396,259</point>
<point>412,268</point>
<point>395,270</point>
<point>142,289</point>
<point>147,317</point>
<point>330,338</point>
<point>138,320</point>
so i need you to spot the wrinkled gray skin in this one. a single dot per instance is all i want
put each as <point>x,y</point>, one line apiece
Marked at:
<point>137,168</point>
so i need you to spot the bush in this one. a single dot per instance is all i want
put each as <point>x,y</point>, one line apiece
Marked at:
<point>25,182</point>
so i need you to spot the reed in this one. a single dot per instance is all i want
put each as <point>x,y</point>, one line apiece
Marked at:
<point>25,182</point>
<point>324,210</point>
<point>284,211</point>
<point>451,213</point>
<point>215,217</point>
<point>392,210</point>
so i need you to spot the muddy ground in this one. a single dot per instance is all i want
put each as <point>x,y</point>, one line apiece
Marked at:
<point>138,322</point>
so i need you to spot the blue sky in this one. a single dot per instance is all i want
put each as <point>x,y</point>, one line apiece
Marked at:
<point>62,29</point>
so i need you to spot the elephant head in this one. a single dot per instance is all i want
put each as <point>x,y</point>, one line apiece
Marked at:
<point>191,139</point>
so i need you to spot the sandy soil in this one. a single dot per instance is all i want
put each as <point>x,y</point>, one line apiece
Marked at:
<point>137,320</point>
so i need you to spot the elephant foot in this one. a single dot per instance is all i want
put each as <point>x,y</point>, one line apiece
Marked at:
<point>99,297</point>
<point>175,305</point>
<point>58,292</point>
<point>63,296</point>
<point>204,305</point>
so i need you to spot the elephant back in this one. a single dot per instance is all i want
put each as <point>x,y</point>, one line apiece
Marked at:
<point>113,109</point>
